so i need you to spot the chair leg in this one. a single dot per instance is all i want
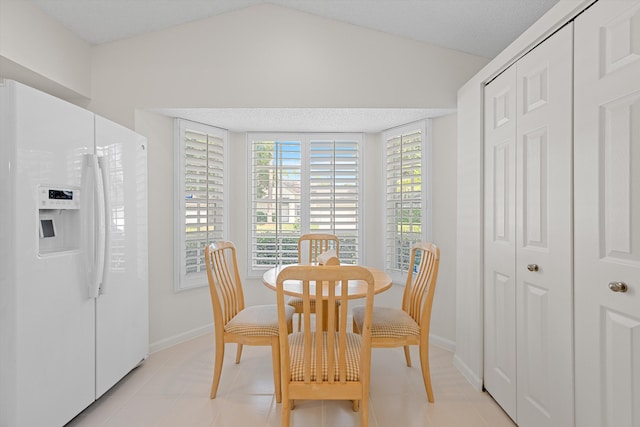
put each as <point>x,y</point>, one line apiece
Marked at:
<point>364,410</point>
<point>217,368</point>
<point>407,355</point>
<point>286,414</point>
<point>238,353</point>
<point>299,321</point>
<point>356,405</point>
<point>426,375</point>
<point>355,327</point>
<point>275,358</point>
<point>287,406</point>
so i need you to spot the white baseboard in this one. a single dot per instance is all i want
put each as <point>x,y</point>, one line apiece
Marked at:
<point>442,343</point>
<point>180,338</point>
<point>466,372</point>
<point>194,333</point>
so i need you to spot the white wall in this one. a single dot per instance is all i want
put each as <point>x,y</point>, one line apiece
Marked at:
<point>173,317</point>
<point>262,56</point>
<point>40,52</point>
<point>469,266</point>
<point>270,56</point>
<point>444,202</point>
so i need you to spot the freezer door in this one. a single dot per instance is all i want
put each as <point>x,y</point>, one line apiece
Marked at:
<point>51,321</point>
<point>122,313</point>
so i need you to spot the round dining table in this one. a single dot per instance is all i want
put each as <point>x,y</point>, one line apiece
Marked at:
<point>355,288</point>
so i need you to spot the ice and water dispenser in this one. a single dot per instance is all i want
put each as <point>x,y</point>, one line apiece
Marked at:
<point>58,219</point>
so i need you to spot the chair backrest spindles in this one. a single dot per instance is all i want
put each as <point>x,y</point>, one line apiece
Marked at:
<point>334,279</point>
<point>314,244</point>
<point>420,285</point>
<point>225,286</point>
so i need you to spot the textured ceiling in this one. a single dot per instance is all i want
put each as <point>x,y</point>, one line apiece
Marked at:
<point>480,27</point>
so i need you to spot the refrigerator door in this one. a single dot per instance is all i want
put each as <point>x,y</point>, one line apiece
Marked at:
<point>122,313</point>
<point>51,325</point>
<point>8,313</point>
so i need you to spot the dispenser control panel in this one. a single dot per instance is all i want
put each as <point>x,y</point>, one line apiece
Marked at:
<point>59,219</point>
<point>58,198</point>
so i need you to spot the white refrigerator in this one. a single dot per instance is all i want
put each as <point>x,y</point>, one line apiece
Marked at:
<point>73,256</point>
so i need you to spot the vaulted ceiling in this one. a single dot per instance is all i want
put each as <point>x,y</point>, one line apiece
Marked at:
<point>480,27</point>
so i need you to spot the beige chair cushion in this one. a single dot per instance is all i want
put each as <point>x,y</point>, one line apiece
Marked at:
<point>260,320</point>
<point>388,322</point>
<point>297,357</point>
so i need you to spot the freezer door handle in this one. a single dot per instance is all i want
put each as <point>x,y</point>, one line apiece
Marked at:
<point>105,258</point>
<point>97,261</point>
<point>88,220</point>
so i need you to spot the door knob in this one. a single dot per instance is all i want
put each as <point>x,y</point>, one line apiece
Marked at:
<point>532,267</point>
<point>618,286</point>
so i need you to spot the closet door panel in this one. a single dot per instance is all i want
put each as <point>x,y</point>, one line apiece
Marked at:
<point>544,295</point>
<point>607,220</point>
<point>499,279</point>
<point>535,189</point>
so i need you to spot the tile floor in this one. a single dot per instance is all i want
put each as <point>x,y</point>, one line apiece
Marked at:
<point>172,387</point>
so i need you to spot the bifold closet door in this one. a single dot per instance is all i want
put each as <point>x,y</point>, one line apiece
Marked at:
<point>500,240</point>
<point>607,220</point>
<point>528,236</point>
<point>544,223</point>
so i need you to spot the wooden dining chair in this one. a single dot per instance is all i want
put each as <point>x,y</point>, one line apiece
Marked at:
<point>409,325</point>
<point>235,323</point>
<point>332,364</point>
<point>310,246</point>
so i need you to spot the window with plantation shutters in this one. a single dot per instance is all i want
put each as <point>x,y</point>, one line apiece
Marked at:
<point>200,208</point>
<point>406,191</point>
<point>276,198</point>
<point>303,183</point>
<point>333,192</point>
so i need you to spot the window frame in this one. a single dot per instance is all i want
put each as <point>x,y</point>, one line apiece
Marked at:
<point>424,126</point>
<point>305,139</point>
<point>186,281</point>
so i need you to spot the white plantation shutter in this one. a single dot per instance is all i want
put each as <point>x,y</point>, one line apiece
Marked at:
<point>406,190</point>
<point>200,216</point>
<point>334,193</point>
<point>305,183</point>
<point>275,205</point>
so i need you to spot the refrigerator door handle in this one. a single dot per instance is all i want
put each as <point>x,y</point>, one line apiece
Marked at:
<point>105,248</point>
<point>99,230</point>
<point>88,222</point>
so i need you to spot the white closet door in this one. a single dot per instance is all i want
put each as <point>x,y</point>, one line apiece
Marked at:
<point>500,241</point>
<point>528,242</point>
<point>544,295</point>
<point>607,220</point>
